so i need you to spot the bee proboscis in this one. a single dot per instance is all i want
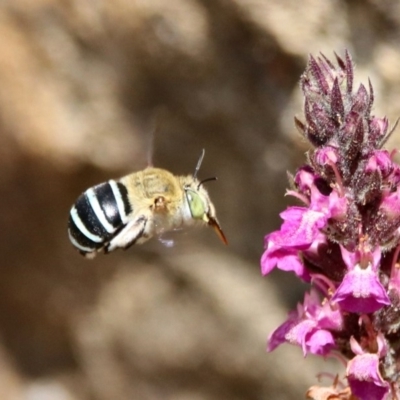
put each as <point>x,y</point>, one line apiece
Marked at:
<point>133,209</point>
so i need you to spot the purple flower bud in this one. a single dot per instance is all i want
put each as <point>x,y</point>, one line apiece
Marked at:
<point>304,180</point>
<point>394,282</point>
<point>360,101</point>
<point>326,155</point>
<point>378,129</point>
<point>338,206</point>
<point>380,161</point>
<point>337,105</point>
<point>393,179</point>
<point>390,205</point>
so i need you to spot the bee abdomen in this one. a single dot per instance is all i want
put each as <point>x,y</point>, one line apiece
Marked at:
<point>98,215</point>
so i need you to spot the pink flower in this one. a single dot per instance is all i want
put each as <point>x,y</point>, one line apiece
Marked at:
<point>361,290</point>
<point>363,373</point>
<point>309,326</point>
<point>300,229</point>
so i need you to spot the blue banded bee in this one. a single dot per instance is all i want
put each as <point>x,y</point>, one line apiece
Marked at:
<point>131,210</point>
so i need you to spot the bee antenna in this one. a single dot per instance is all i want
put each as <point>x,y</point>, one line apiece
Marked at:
<point>199,163</point>
<point>214,178</point>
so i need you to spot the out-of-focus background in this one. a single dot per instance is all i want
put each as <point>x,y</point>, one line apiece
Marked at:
<point>83,84</point>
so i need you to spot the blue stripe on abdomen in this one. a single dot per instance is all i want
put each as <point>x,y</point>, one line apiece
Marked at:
<point>81,238</point>
<point>89,217</point>
<point>108,204</point>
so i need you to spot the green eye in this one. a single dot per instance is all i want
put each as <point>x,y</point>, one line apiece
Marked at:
<point>196,205</point>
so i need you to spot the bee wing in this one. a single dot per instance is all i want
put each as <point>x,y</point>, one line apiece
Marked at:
<point>133,232</point>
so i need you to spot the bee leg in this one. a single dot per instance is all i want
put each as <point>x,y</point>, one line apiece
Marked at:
<point>160,204</point>
<point>166,242</point>
<point>129,235</point>
<point>88,255</point>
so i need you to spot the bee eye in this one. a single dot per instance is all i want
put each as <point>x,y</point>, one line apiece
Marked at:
<point>196,204</point>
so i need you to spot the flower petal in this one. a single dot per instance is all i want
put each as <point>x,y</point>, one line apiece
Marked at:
<point>365,379</point>
<point>361,292</point>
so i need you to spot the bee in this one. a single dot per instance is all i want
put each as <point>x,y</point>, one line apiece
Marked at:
<point>120,213</point>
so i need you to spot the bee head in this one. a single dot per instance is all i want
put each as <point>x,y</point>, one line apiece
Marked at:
<point>199,203</point>
<point>202,209</point>
<point>197,206</point>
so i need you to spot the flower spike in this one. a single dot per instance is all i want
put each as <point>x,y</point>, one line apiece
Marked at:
<point>345,238</point>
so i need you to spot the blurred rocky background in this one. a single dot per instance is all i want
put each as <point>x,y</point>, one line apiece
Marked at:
<point>83,84</point>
